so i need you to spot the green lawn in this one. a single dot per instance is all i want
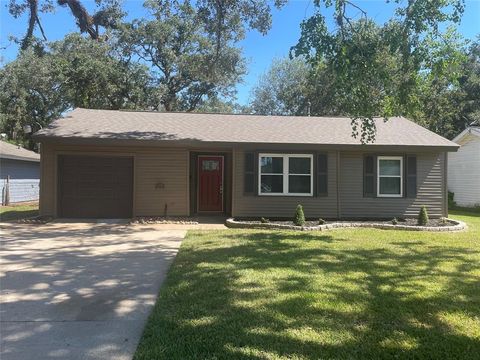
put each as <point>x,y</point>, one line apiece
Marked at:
<point>344,294</point>
<point>18,212</point>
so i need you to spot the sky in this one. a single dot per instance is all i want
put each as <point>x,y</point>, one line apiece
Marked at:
<point>258,50</point>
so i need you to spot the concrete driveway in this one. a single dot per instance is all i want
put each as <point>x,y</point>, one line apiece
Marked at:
<point>81,290</point>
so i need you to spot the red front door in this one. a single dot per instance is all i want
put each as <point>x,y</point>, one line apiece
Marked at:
<point>210,183</point>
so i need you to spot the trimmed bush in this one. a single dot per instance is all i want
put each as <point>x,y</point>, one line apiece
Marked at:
<point>423,216</point>
<point>299,218</point>
<point>321,221</point>
<point>451,201</point>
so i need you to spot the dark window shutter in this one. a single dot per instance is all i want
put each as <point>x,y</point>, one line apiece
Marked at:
<point>369,176</point>
<point>322,174</point>
<point>249,178</point>
<point>411,176</point>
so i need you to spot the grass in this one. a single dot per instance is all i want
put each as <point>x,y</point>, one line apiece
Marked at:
<point>16,212</point>
<point>344,294</point>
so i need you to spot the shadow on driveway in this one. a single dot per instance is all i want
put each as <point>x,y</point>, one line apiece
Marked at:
<point>79,290</point>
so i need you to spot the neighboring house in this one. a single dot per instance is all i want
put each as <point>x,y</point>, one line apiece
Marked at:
<point>108,164</point>
<point>464,168</point>
<point>20,170</point>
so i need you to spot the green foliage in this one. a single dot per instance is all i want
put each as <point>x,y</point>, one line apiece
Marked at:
<point>293,87</point>
<point>341,294</point>
<point>394,221</point>
<point>423,216</point>
<point>321,221</point>
<point>282,90</point>
<point>377,69</point>
<point>74,72</point>
<point>191,48</point>
<point>299,218</point>
<point>264,220</point>
<point>16,212</point>
<point>106,15</point>
<point>451,201</point>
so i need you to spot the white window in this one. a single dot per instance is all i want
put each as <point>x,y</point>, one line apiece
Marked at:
<point>390,176</point>
<point>285,174</point>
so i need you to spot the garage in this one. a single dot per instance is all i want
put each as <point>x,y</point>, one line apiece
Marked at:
<point>95,186</point>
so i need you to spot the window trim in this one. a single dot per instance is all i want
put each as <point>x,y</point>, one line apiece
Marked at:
<point>400,158</point>
<point>285,174</point>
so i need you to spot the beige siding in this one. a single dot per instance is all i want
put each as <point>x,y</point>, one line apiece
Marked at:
<point>161,177</point>
<point>430,189</point>
<point>283,206</point>
<point>167,168</point>
<point>47,180</point>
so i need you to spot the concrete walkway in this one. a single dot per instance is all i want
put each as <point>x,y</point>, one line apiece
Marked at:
<point>79,291</point>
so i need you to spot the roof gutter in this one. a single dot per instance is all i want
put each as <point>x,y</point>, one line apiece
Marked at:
<point>206,144</point>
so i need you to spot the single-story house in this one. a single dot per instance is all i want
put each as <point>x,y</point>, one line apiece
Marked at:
<point>119,164</point>
<point>19,173</point>
<point>464,168</point>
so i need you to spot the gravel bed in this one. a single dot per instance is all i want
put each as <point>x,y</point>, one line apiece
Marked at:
<point>35,220</point>
<point>164,220</point>
<point>407,224</point>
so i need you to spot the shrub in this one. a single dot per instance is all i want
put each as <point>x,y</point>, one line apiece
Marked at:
<point>451,201</point>
<point>423,216</point>
<point>394,221</point>
<point>321,221</point>
<point>264,221</point>
<point>299,218</point>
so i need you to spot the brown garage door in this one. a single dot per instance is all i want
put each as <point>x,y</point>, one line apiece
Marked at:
<point>95,186</point>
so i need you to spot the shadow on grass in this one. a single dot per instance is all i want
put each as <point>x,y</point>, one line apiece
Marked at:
<point>17,214</point>
<point>258,295</point>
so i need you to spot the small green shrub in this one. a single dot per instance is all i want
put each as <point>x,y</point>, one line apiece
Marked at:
<point>264,221</point>
<point>423,216</point>
<point>451,201</point>
<point>394,221</point>
<point>321,221</point>
<point>299,218</point>
<point>443,221</point>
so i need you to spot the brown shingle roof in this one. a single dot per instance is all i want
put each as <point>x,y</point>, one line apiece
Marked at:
<point>15,152</point>
<point>231,128</point>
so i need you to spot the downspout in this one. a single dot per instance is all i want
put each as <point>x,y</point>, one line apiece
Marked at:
<point>445,184</point>
<point>339,212</point>
<point>233,184</point>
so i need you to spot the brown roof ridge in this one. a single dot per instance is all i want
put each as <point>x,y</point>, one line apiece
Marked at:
<point>378,117</point>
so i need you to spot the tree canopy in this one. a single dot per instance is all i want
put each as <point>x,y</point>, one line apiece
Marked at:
<point>376,67</point>
<point>74,72</point>
<point>185,55</point>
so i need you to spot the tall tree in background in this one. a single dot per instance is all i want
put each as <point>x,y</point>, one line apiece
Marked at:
<point>282,90</point>
<point>294,87</point>
<point>191,47</point>
<point>107,15</point>
<point>75,72</point>
<point>376,68</point>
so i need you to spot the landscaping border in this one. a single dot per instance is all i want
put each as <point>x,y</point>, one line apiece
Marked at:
<point>232,223</point>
